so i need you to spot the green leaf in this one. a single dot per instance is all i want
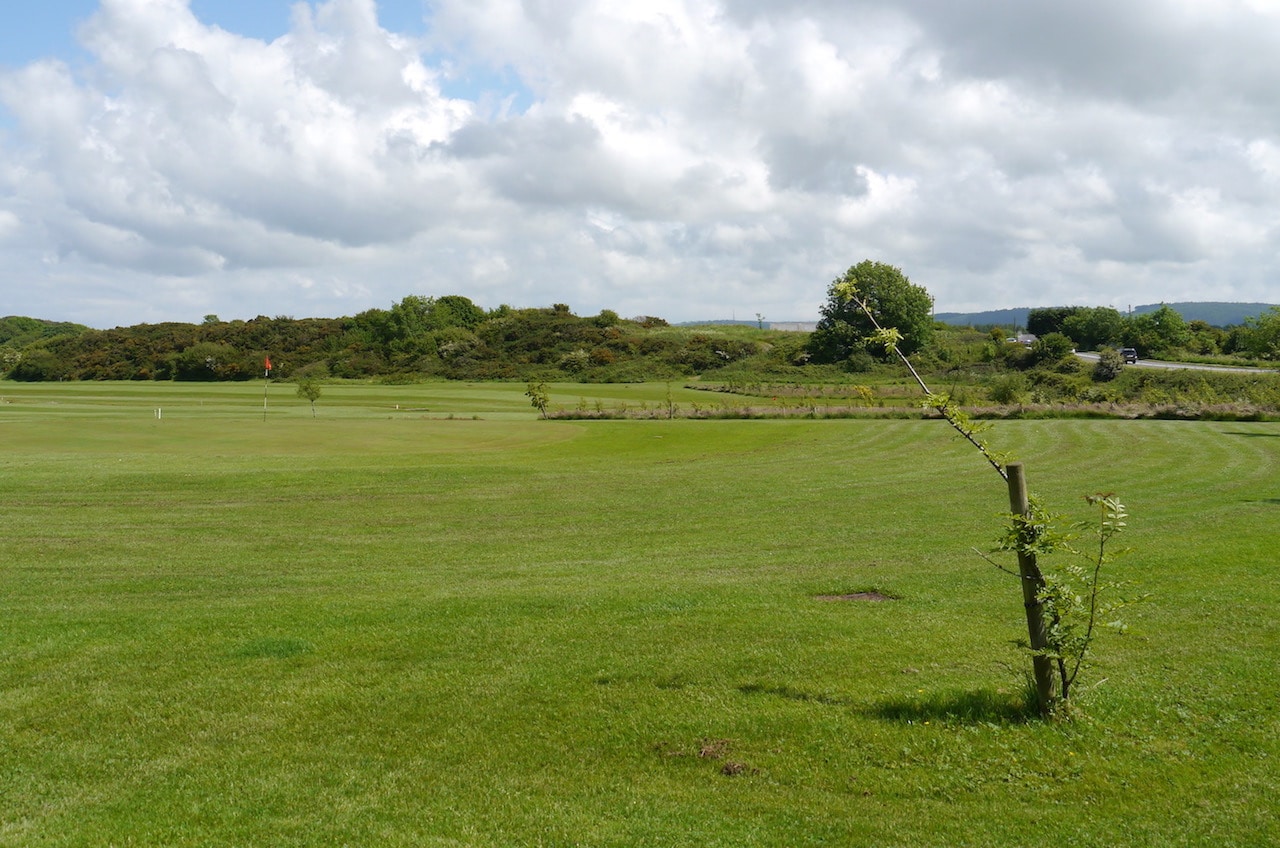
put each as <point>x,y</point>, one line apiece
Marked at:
<point>846,290</point>
<point>887,336</point>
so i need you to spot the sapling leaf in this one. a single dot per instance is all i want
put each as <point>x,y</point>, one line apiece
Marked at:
<point>887,336</point>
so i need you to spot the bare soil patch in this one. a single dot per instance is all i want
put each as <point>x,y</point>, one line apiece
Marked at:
<point>856,596</point>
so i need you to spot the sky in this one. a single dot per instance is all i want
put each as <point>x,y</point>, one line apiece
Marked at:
<point>164,160</point>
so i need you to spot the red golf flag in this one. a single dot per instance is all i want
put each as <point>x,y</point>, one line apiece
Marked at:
<point>268,363</point>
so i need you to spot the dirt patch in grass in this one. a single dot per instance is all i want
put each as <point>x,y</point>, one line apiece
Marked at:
<point>857,596</point>
<point>711,749</point>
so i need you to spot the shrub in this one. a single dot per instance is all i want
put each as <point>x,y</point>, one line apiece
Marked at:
<point>1053,387</point>
<point>1050,348</point>
<point>1069,364</point>
<point>1009,388</point>
<point>576,361</point>
<point>1109,366</point>
<point>606,318</point>
<point>603,356</point>
<point>37,365</point>
<point>859,362</point>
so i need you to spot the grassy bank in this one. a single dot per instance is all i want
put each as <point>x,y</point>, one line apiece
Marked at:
<point>383,626</point>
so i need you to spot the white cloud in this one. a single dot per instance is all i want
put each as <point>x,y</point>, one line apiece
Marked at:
<point>687,158</point>
<point>9,225</point>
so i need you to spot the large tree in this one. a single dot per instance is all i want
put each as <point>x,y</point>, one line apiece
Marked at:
<point>1261,335</point>
<point>1093,328</point>
<point>1050,319</point>
<point>845,329</point>
<point>1157,332</point>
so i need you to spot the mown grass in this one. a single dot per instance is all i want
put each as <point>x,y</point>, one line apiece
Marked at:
<point>339,399</point>
<point>386,627</point>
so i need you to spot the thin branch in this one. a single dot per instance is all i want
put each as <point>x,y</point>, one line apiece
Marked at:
<point>1000,567</point>
<point>943,408</point>
<point>1103,536</point>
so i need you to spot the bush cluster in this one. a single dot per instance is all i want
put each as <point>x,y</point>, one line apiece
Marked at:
<point>420,337</point>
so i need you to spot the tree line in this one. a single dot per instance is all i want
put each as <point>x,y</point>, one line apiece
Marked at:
<point>1162,333</point>
<point>452,337</point>
<point>844,333</point>
<point>420,336</point>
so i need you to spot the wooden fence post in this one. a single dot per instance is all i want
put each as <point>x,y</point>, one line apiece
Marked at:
<point>1032,584</point>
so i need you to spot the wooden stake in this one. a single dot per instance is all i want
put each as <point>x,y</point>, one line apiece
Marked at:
<point>1032,584</point>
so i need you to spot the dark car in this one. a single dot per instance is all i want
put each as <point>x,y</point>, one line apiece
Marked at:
<point>1130,355</point>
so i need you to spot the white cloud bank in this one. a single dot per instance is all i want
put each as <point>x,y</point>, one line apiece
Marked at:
<point>683,158</point>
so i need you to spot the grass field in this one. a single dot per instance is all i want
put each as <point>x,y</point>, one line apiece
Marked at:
<point>390,626</point>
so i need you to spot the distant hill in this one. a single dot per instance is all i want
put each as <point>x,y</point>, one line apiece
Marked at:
<point>1214,313</point>
<point>1002,317</point>
<point>18,331</point>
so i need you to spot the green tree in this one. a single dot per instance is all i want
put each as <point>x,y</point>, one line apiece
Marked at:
<point>309,390</point>
<point>1205,338</point>
<point>1054,610</point>
<point>1050,348</point>
<point>454,310</point>
<point>846,329</point>
<point>1050,319</point>
<point>538,396</point>
<point>408,330</point>
<point>1158,332</point>
<point>1260,336</point>
<point>37,365</point>
<point>1094,328</point>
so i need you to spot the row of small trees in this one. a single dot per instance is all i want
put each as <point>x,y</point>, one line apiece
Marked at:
<point>1161,332</point>
<point>843,333</point>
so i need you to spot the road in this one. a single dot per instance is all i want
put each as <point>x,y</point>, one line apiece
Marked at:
<point>1156,363</point>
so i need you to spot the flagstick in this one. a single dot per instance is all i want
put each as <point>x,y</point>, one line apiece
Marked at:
<point>266,381</point>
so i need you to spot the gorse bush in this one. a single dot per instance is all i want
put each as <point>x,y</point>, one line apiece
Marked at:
<point>1109,366</point>
<point>429,337</point>
<point>1009,388</point>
